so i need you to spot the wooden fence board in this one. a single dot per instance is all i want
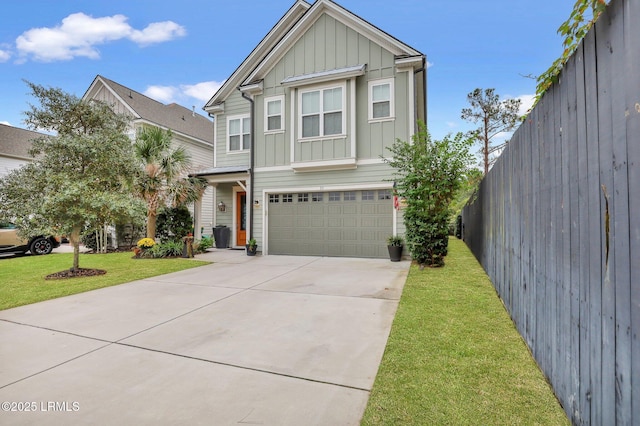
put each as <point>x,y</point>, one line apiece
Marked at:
<point>594,219</point>
<point>582,216</point>
<point>605,75</point>
<point>571,247</point>
<point>620,218</point>
<point>632,88</point>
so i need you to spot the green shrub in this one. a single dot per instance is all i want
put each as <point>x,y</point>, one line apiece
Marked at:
<point>202,245</point>
<point>166,249</point>
<point>174,223</point>
<point>428,175</point>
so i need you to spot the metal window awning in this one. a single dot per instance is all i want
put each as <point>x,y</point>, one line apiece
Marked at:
<point>323,76</point>
<point>224,174</point>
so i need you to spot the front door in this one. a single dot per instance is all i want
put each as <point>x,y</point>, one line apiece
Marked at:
<point>241,219</point>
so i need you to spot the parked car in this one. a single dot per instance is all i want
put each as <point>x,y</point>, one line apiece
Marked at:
<point>10,242</point>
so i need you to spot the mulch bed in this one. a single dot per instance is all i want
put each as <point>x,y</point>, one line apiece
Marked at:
<point>71,273</point>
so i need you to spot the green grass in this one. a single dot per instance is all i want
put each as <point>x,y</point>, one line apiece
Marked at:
<point>22,278</point>
<point>454,356</point>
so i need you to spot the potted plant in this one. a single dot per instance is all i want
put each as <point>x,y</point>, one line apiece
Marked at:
<point>252,247</point>
<point>395,244</point>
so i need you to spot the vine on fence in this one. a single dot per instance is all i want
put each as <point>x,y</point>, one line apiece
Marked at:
<point>573,30</point>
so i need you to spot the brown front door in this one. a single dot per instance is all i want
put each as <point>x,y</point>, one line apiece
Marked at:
<point>241,218</point>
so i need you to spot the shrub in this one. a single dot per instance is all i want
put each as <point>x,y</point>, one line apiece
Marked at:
<point>166,249</point>
<point>174,223</point>
<point>202,245</point>
<point>428,175</point>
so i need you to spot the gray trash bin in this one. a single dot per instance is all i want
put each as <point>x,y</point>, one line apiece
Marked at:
<point>221,234</point>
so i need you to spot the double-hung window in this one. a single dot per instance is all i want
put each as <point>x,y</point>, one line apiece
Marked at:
<point>381,105</point>
<point>322,112</point>
<point>239,133</point>
<point>273,114</point>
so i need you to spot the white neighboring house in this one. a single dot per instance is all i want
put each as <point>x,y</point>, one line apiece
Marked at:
<point>15,144</point>
<point>191,130</point>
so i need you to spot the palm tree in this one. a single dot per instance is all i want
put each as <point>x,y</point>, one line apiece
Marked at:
<point>163,179</point>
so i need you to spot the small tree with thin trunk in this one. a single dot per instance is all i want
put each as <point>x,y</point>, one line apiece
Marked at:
<point>79,179</point>
<point>428,174</point>
<point>495,116</point>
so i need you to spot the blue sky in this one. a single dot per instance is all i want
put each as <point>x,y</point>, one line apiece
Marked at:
<point>181,51</point>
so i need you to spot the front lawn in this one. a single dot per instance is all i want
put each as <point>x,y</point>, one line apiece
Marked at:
<point>454,356</point>
<point>22,278</point>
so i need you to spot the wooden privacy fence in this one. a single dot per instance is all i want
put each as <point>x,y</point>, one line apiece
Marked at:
<point>556,225</point>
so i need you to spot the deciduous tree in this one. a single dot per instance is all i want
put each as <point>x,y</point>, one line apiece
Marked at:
<point>80,178</point>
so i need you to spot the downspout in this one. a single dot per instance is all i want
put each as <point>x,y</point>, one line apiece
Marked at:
<point>424,88</point>
<point>252,161</point>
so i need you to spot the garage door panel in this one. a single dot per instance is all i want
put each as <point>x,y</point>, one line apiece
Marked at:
<point>347,225</point>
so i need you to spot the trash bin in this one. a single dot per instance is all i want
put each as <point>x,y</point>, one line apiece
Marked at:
<point>221,234</point>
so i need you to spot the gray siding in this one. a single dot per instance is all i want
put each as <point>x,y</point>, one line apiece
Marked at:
<point>555,225</point>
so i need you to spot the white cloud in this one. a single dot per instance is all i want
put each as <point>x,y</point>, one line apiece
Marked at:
<point>164,94</point>
<point>4,56</point>
<point>202,91</point>
<point>526,102</point>
<point>429,64</point>
<point>185,93</point>
<point>157,33</point>
<point>451,124</point>
<point>5,122</point>
<point>79,34</point>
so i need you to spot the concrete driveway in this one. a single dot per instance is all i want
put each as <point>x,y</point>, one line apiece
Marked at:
<point>276,340</point>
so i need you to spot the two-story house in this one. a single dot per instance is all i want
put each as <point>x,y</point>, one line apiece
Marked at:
<point>191,130</point>
<point>300,130</point>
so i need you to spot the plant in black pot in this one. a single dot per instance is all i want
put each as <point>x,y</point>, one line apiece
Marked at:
<point>395,244</point>
<point>252,247</point>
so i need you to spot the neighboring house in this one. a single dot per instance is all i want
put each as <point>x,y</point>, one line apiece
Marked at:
<point>191,130</point>
<point>300,128</point>
<point>15,144</point>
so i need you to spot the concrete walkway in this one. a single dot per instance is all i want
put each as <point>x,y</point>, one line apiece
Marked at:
<point>275,340</point>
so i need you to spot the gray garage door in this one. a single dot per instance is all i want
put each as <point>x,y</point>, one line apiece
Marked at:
<point>345,223</point>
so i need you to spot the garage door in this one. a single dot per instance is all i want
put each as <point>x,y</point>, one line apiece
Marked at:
<point>344,223</point>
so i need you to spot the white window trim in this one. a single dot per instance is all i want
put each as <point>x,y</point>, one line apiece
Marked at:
<point>229,119</point>
<point>266,114</point>
<point>392,110</point>
<point>343,86</point>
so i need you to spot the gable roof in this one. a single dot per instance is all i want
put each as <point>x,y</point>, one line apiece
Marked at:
<point>179,119</point>
<point>399,49</point>
<point>281,28</point>
<point>289,29</point>
<point>16,142</point>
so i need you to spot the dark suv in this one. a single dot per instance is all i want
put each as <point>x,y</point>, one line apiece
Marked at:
<point>10,242</point>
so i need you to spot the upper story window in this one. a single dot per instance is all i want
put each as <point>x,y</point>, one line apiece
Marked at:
<point>381,104</point>
<point>238,133</point>
<point>322,112</point>
<point>273,114</point>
